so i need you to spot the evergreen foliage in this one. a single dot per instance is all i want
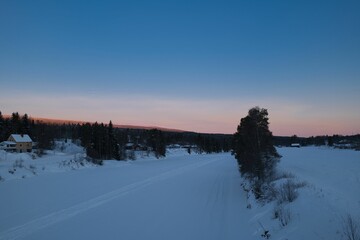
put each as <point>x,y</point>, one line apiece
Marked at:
<point>253,147</point>
<point>156,141</point>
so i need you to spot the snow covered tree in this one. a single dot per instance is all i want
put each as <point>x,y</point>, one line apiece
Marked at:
<point>253,147</point>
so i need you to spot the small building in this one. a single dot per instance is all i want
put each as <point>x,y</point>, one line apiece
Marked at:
<point>295,145</point>
<point>23,142</point>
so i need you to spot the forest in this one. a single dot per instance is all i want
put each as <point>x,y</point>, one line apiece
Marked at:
<point>104,141</point>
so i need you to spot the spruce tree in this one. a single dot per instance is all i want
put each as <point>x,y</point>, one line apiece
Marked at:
<point>25,124</point>
<point>253,147</point>
<point>112,145</point>
<point>156,141</point>
<point>2,127</point>
<point>15,123</point>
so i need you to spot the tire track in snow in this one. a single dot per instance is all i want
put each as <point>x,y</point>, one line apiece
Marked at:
<point>64,214</point>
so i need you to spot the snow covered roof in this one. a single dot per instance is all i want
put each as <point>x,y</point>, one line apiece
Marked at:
<point>21,137</point>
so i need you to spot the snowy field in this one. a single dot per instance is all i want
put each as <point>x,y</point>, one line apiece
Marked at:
<point>333,191</point>
<point>180,197</point>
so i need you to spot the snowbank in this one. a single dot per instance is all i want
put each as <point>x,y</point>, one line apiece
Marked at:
<point>65,157</point>
<point>330,190</point>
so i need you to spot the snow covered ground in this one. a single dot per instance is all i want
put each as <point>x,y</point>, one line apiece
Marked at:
<point>332,192</point>
<point>333,177</point>
<point>65,157</point>
<point>179,197</point>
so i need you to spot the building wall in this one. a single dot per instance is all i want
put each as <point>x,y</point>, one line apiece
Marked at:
<point>24,147</point>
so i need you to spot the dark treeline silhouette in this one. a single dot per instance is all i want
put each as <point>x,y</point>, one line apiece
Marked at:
<point>317,140</point>
<point>103,141</point>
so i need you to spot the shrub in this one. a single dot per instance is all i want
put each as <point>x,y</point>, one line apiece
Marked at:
<point>300,184</point>
<point>95,161</point>
<point>270,191</point>
<point>18,163</point>
<point>282,214</point>
<point>266,233</point>
<point>287,192</point>
<point>351,228</point>
<point>40,152</point>
<point>32,169</point>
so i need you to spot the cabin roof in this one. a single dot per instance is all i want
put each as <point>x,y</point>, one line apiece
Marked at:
<point>21,138</point>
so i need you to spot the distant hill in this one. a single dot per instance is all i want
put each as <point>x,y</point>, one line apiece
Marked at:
<point>64,121</point>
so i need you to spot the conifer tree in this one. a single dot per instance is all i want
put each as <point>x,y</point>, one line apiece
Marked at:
<point>2,127</point>
<point>157,142</point>
<point>113,147</point>
<point>15,123</point>
<point>25,124</point>
<point>253,147</point>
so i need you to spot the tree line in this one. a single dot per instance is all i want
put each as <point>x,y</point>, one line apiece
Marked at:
<point>316,140</point>
<point>104,141</point>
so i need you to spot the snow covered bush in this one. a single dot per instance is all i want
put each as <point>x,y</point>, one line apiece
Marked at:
<point>266,233</point>
<point>32,169</point>
<point>287,192</point>
<point>283,214</point>
<point>78,162</point>
<point>351,228</point>
<point>18,163</point>
<point>270,192</point>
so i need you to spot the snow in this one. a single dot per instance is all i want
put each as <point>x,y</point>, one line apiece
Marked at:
<point>332,192</point>
<point>174,198</point>
<point>65,157</point>
<point>182,196</point>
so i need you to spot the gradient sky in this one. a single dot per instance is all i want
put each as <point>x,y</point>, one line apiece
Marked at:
<point>192,65</point>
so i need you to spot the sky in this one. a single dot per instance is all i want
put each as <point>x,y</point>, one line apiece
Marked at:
<point>190,65</point>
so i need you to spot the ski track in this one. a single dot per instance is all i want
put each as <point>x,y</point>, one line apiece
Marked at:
<point>64,214</point>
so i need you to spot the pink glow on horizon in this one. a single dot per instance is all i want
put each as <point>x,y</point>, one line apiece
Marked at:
<point>208,116</point>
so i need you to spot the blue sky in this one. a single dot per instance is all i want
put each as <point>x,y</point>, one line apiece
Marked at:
<point>193,65</point>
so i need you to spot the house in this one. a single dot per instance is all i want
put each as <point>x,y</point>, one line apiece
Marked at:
<point>23,142</point>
